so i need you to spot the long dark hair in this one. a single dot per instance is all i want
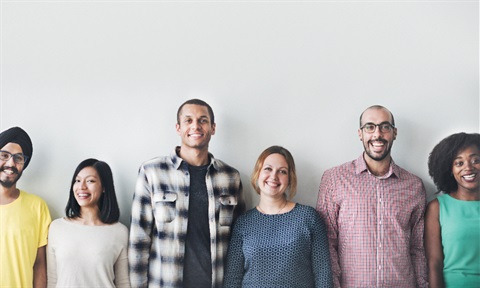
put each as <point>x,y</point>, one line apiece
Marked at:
<point>107,204</point>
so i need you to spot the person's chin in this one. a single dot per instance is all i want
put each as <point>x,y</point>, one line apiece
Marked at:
<point>377,156</point>
<point>9,183</point>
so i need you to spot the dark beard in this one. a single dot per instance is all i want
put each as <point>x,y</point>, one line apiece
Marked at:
<point>9,184</point>
<point>381,157</point>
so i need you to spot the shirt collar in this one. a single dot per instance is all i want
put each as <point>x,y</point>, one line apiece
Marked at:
<point>361,167</point>
<point>177,161</point>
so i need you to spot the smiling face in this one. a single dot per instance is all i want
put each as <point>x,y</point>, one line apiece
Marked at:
<point>377,145</point>
<point>274,178</point>
<point>10,171</point>
<point>195,127</point>
<point>466,170</point>
<point>87,188</point>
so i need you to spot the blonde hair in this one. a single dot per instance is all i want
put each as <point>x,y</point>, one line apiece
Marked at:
<point>292,175</point>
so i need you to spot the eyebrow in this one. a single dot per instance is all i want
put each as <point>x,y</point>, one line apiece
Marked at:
<point>3,150</point>
<point>384,122</point>
<point>190,116</point>
<point>471,155</point>
<point>87,176</point>
<point>283,167</point>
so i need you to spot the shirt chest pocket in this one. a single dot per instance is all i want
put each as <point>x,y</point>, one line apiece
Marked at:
<point>164,206</point>
<point>227,206</point>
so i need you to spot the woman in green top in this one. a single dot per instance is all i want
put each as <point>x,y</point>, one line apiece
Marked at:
<point>452,221</point>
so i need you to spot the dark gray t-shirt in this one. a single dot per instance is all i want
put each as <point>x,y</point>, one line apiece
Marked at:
<point>197,271</point>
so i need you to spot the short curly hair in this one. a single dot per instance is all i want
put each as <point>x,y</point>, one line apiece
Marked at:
<point>441,158</point>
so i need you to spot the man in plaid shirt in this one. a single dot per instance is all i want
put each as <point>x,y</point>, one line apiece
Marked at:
<point>374,211</point>
<point>183,209</point>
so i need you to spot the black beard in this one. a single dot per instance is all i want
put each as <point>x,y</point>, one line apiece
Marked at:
<point>9,184</point>
<point>381,157</point>
<point>378,158</point>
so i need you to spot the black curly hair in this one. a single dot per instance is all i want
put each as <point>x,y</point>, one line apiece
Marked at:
<point>441,159</point>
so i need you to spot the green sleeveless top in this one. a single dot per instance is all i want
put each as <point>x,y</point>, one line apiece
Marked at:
<point>460,230</point>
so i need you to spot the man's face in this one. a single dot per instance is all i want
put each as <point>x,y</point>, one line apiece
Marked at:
<point>195,127</point>
<point>378,144</point>
<point>10,171</point>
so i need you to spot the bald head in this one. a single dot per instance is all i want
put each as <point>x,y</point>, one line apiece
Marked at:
<point>377,107</point>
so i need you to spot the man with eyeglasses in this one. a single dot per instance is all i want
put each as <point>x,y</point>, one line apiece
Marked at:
<point>374,211</point>
<point>183,209</point>
<point>24,217</point>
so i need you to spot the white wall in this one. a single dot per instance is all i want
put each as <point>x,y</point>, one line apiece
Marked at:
<point>104,79</point>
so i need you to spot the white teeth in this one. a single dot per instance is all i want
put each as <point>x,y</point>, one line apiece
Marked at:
<point>469,177</point>
<point>82,195</point>
<point>8,172</point>
<point>273,184</point>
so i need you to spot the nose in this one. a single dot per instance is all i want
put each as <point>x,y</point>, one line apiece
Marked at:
<point>275,175</point>
<point>469,165</point>
<point>377,132</point>
<point>82,185</point>
<point>195,125</point>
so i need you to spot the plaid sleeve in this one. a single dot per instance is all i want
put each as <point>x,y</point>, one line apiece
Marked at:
<point>140,232</point>
<point>240,208</point>
<point>328,209</point>
<point>417,249</point>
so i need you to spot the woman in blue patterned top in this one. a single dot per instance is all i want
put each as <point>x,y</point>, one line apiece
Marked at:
<point>279,243</point>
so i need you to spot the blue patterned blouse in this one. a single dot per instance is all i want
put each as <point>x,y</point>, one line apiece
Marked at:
<point>282,250</point>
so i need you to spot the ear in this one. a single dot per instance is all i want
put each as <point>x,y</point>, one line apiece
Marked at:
<point>177,127</point>
<point>213,128</point>
<point>394,133</point>
<point>360,134</point>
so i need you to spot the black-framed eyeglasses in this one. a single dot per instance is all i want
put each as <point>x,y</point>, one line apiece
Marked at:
<point>18,158</point>
<point>385,127</point>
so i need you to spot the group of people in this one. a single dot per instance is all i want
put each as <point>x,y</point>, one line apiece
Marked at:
<point>371,227</point>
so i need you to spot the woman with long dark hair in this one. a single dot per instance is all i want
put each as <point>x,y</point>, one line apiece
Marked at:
<point>88,247</point>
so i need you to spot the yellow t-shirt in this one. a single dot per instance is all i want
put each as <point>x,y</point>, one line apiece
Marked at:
<point>23,229</point>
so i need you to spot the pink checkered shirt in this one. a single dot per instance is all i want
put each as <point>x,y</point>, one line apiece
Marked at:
<point>375,226</point>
